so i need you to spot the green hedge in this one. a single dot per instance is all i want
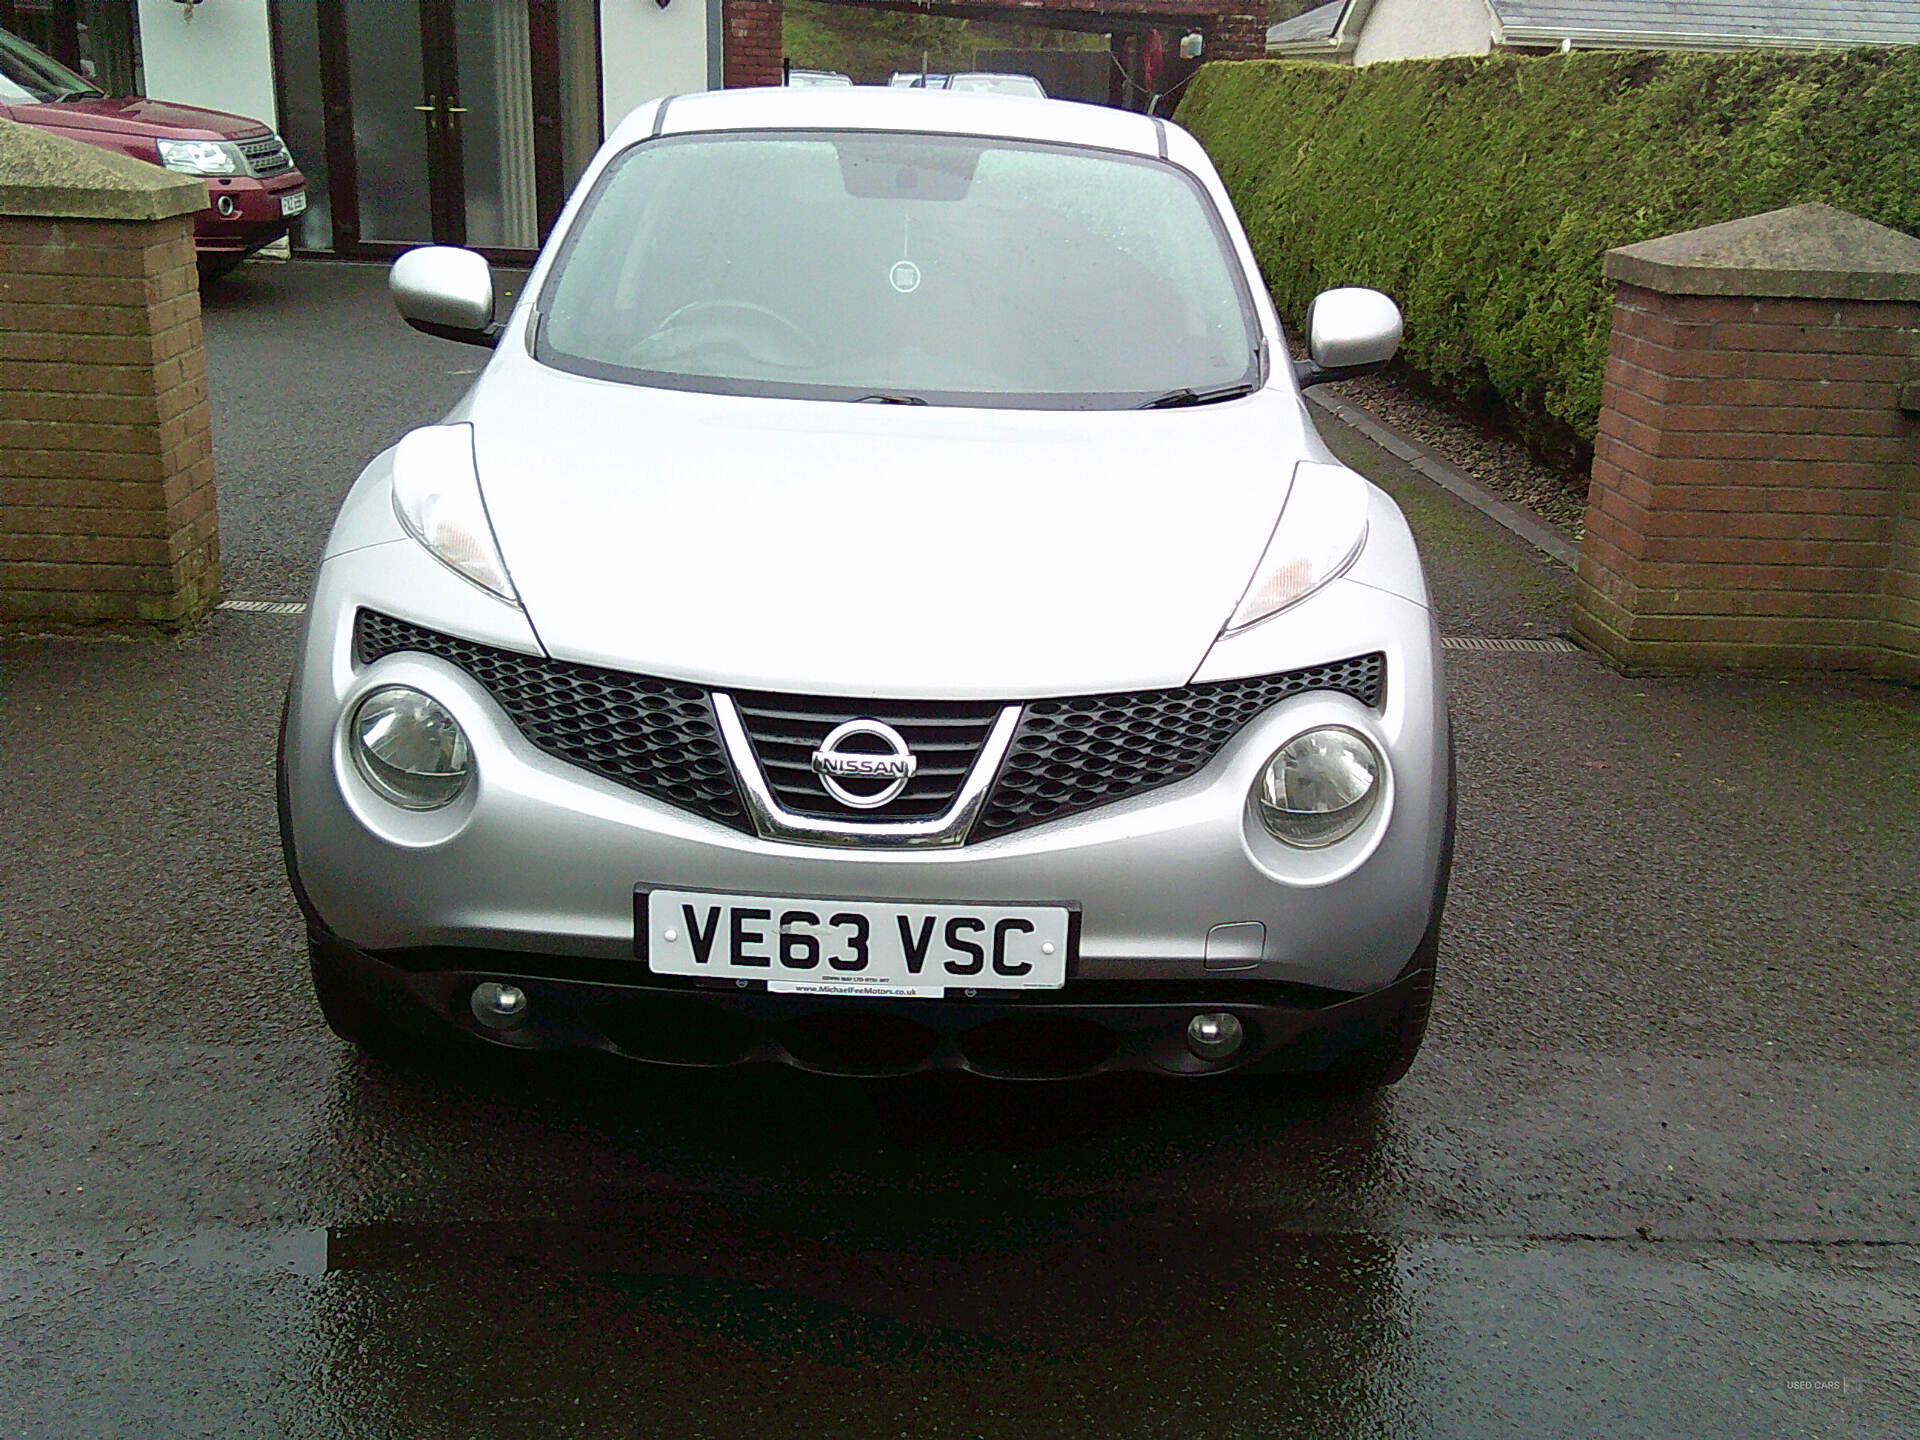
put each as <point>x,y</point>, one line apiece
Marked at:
<point>1483,194</point>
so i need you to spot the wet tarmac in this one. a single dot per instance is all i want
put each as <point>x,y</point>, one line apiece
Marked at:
<point>1657,1172</point>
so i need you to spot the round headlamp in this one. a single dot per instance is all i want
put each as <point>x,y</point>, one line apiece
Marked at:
<point>409,749</point>
<point>1319,787</point>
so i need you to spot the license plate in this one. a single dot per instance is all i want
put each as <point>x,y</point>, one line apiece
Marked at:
<point>854,947</point>
<point>293,204</point>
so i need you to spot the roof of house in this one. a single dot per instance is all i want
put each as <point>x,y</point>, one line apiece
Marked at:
<point>1314,27</point>
<point>1710,23</point>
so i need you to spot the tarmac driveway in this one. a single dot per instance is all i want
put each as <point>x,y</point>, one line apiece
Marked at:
<point>1657,1172</point>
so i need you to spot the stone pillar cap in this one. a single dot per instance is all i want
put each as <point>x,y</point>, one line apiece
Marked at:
<point>51,176</point>
<point>1805,252</point>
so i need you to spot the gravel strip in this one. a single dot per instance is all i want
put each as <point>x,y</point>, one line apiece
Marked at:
<point>1499,462</point>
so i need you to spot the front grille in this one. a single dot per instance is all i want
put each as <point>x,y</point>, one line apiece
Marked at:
<point>944,736</point>
<point>655,736</point>
<point>266,155</point>
<point>1087,750</point>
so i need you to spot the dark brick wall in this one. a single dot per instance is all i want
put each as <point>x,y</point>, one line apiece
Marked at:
<point>1237,34</point>
<point>106,461</point>
<point>1755,499</point>
<point>754,47</point>
<point>1233,30</point>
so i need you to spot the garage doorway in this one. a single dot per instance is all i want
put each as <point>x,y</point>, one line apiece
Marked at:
<point>97,39</point>
<point>437,121</point>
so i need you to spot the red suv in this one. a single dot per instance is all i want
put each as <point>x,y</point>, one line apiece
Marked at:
<point>254,191</point>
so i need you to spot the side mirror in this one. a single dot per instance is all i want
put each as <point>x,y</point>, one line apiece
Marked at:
<point>447,293</point>
<point>1349,332</point>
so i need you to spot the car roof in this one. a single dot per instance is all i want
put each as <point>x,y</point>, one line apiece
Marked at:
<point>876,107</point>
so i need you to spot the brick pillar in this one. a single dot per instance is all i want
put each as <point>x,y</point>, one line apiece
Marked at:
<point>1237,35</point>
<point>106,462</point>
<point>754,42</point>
<point>1755,500</point>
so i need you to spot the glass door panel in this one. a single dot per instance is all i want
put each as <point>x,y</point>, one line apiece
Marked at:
<point>495,123</point>
<point>303,117</point>
<point>577,49</point>
<point>107,48</point>
<point>393,123</point>
<point>444,121</point>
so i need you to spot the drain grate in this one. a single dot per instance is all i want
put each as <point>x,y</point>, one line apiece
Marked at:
<point>264,607</point>
<point>1510,646</point>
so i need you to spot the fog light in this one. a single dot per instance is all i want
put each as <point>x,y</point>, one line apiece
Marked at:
<point>410,749</point>
<point>226,206</point>
<point>497,1006</point>
<point>1215,1034</point>
<point>1320,787</point>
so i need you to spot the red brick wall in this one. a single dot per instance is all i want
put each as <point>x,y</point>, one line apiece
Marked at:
<point>106,460</point>
<point>1237,35</point>
<point>1750,476</point>
<point>754,43</point>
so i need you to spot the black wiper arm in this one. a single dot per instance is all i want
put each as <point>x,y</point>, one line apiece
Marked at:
<point>1177,399</point>
<point>881,398</point>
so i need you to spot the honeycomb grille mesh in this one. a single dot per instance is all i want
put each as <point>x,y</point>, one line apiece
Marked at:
<point>659,737</point>
<point>655,736</point>
<point>1087,750</point>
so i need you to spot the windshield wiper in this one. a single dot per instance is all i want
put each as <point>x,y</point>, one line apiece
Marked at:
<point>85,92</point>
<point>880,398</point>
<point>1177,399</point>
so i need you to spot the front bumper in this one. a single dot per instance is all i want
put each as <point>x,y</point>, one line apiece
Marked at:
<point>530,876</point>
<point>256,215</point>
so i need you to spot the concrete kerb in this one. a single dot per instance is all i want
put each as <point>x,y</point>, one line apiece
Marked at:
<point>1513,518</point>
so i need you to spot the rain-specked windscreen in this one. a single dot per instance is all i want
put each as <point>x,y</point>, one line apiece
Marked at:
<point>29,78</point>
<point>949,270</point>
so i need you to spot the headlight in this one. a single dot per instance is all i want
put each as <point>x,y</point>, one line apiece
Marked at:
<point>436,494</point>
<point>1321,532</point>
<point>409,749</point>
<point>1320,787</point>
<point>200,157</point>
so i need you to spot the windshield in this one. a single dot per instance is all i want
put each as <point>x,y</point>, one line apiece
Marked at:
<point>919,268</point>
<point>29,78</point>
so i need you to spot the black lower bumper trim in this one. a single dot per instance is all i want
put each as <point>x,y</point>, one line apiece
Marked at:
<point>1088,1029</point>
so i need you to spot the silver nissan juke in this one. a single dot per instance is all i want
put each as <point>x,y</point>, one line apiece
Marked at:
<point>883,607</point>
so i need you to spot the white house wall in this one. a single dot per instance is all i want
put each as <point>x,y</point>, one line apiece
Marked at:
<point>647,52</point>
<point>222,58</point>
<point>1420,29</point>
